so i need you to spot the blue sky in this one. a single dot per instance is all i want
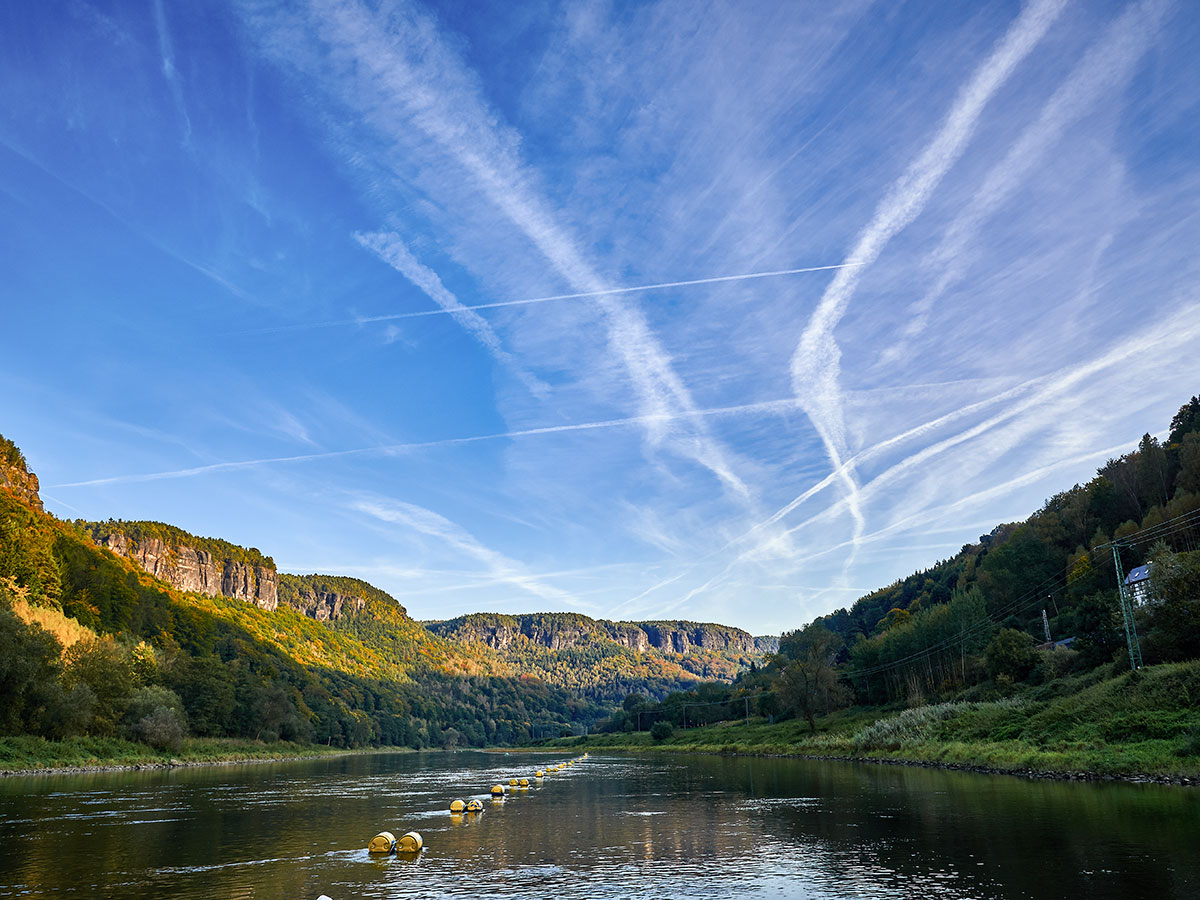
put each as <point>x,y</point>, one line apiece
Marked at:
<point>239,243</point>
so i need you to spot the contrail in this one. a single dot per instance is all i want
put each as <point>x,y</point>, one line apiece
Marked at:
<point>777,406</point>
<point>716,279</point>
<point>816,364</point>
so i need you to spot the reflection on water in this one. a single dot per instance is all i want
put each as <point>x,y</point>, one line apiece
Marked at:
<point>627,827</point>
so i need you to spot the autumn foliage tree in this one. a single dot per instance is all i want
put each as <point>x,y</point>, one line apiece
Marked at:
<point>808,683</point>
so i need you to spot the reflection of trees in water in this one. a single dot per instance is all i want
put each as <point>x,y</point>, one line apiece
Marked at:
<point>716,823</point>
<point>1010,837</point>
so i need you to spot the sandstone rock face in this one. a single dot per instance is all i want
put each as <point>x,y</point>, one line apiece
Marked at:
<point>767,644</point>
<point>325,606</point>
<point>566,630</point>
<point>196,570</point>
<point>23,484</point>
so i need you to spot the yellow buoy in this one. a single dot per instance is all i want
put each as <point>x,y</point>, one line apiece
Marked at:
<point>497,790</point>
<point>382,843</point>
<point>410,843</point>
<point>512,782</point>
<point>524,782</point>
<point>540,773</point>
<point>475,806</point>
<point>457,806</point>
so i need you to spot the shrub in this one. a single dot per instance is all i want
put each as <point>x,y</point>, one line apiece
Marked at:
<point>162,729</point>
<point>660,731</point>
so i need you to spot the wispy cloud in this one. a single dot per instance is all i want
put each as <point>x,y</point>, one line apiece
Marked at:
<point>170,73</point>
<point>458,539</point>
<point>408,77</point>
<point>392,250</point>
<point>1102,73</point>
<point>816,366</point>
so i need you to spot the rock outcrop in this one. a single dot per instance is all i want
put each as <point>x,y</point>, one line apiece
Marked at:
<point>558,631</point>
<point>325,606</point>
<point>767,644</point>
<point>16,478</point>
<point>191,569</point>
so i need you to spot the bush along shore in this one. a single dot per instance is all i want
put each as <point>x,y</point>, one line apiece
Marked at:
<point>1142,726</point>
<point>26,755</point>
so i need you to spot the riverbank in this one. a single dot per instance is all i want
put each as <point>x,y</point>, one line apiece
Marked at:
<point>37,756</point>
<point>1136,727</point>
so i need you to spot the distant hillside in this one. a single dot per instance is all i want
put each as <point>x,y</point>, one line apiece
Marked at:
<point>603,660</point>
<point>608,659</point>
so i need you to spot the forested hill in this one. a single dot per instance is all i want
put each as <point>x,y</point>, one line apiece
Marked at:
<point>638,657</point>
<point>603,661</point>
<point>140,629</point>
<point>1047,561</point>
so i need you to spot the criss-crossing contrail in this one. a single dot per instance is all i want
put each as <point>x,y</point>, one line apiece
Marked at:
<point>766,406</point>
<point>499,304</point>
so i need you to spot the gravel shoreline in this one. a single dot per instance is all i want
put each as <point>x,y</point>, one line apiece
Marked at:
<point>172,764</point>
<point>1038,774</point>
<point>1035,774</point>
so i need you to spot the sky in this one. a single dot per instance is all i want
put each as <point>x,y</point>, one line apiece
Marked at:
<point>728,312</point>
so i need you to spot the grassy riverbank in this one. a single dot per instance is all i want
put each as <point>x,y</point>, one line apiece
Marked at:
<point>33,754</point>
<point>1143,724</point>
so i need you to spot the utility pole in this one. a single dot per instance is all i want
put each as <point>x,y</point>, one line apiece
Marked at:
<point>1046,624</point>
<point>1131,638</point>
<point>747,699</point>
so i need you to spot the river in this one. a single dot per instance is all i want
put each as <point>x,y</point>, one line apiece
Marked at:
<point>608,827</point>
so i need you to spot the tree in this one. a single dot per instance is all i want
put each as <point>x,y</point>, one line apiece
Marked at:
<point>1174,617</point>
<point>661,730</point>
<point>1011,654</point>
<point>808,684</point>
<point>1189,463</point>
<point>106,667</point>
<point>28,671</point>
<point>1186,421</point>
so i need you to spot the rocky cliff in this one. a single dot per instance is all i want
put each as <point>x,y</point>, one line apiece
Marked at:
<point>15,476</point>
<point>557,631</point>
<point>191,568</point>
<point>327,598</point>
<point>767,644</point>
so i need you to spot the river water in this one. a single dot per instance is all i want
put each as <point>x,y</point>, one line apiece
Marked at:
<point>608,827</point>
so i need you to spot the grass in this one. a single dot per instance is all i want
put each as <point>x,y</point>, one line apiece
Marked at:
<point>26,753</point>
<point>1146,723</point>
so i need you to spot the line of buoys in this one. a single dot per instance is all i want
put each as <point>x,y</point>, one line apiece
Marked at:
<point>458,807</point>
<point>411,843</point>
